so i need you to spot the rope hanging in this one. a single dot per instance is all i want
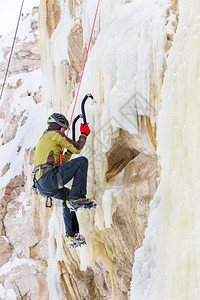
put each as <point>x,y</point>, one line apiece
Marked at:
<point>79,86</point>
<point>95,17</point>
<point>11,52</point>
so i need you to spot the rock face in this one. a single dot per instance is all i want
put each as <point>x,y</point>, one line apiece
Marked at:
<point>123,174</point>
<point>26,56</point>
<point>24,250</point>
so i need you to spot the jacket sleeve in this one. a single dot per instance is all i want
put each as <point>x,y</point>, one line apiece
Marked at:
<point>72,146</point>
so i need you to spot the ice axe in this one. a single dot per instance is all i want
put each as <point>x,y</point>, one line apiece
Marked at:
<point>82,115</point>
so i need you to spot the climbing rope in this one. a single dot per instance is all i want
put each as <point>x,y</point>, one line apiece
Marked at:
<point>79,86</point>
<point>86,57</point>
<point>11,52</point>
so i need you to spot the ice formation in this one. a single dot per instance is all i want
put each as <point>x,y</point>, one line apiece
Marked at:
<point>167,265</point>
<point>119,73</point>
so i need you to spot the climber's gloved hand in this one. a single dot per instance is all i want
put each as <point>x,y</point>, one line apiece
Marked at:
<point>85,129</point>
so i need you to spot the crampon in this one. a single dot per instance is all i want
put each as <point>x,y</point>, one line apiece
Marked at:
<point>76,241</point>
<point>86,203</point>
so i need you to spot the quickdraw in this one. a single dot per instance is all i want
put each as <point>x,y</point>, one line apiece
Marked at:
<point>49,202</point>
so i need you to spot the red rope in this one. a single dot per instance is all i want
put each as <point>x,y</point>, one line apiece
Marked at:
<point>83,66</point>
<point>70,122</point>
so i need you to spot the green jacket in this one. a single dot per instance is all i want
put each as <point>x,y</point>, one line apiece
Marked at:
<point>50,147</point>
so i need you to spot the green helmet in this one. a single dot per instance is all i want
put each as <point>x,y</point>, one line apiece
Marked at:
<point>59,119</point>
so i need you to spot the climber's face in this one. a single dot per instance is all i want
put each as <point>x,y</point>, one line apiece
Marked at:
<point>63,129</point>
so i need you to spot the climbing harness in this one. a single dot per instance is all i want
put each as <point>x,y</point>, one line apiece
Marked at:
<point>39,168</point>
<point>35,170</point>
<point>11,52</point>
<point>42,167</point>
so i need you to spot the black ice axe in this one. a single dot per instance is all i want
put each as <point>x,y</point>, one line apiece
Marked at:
<point>82,115</point>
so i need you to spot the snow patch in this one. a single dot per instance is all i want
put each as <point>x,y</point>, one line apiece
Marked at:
<point>15,262</point>
<point>27,135</point>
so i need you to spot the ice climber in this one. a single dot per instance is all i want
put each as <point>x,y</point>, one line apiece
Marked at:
<point>50,178</point>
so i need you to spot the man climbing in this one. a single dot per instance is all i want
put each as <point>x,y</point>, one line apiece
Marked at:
<point>50,179</point>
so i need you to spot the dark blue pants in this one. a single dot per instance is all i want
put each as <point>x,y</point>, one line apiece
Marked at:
<point>47,185</point>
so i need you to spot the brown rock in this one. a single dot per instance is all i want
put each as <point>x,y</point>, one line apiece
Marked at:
<point>53,15</point>
<point>76,50</point>
<point>5,169</point>
<point>26,282</point>
<point>5,251</point>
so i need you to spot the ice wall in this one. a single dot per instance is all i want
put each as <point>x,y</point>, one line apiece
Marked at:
<point>167,265</point>
<point>124,73</point>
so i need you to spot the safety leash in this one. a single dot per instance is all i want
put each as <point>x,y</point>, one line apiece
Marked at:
<point>79,86</point>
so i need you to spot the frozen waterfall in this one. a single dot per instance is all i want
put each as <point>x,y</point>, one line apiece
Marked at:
<point>167,266</point>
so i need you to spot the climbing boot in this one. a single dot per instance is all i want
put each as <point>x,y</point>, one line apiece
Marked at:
<point>76,241</point>
<point>74,205</point>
